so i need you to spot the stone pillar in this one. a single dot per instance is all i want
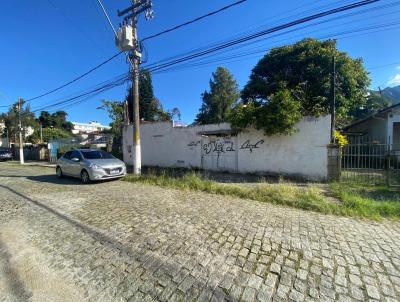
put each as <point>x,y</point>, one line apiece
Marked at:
<point>109,144</point>
<point>334,162</point>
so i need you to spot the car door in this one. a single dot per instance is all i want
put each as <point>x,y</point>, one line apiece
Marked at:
<point>75,166</point>
<point>65,163</point>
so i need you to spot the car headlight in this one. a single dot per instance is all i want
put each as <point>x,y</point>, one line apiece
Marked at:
<point>95,167</point>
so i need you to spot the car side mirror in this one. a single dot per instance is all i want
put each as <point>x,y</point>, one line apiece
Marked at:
<point>75,159</point>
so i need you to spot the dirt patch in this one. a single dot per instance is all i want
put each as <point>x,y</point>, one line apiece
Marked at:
<point>25,275</point>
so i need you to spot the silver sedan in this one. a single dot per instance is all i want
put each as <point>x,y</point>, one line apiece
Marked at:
<point>90,165</point>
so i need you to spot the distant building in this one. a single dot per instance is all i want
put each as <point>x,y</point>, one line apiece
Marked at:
<point>91,127</point>
<point>3,140</point>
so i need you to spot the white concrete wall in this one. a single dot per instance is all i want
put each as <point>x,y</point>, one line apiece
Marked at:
<point>303,153</point>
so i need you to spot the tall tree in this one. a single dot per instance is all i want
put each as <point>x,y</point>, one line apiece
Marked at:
<point>11,120</point>
<point>301,75</point>
<point>150,108</point>
<point>57,119</point>
<point>175,113</point>
<point>115,111</point>
<point>217,103</point>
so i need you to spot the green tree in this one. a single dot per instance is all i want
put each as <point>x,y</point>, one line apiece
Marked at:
<point>150,108</point>
<point>374,103</point>
<point>115,111</point>
<point>57,119</point>
<point>11,120</point>
<point>217,103</point>
<point>300,75</point>
<point>49,134</point>
<point>175,113</point>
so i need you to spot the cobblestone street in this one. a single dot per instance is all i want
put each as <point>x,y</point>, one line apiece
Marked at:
<point>118,241</point>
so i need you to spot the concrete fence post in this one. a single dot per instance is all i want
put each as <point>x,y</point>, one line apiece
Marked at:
<point>334,162</point>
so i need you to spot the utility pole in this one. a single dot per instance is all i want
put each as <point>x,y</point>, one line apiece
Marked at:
<point>127,40</point>
<point>137,164</point>
<point>21,146</point>
<point>333,102</point>
<point>8,138</point>
<point>41,133</point>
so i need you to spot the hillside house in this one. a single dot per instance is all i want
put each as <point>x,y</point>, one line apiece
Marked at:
<point>382,127</point>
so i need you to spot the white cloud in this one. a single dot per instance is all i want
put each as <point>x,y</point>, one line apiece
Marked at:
<point>394,81</point>
<point>398,67</point>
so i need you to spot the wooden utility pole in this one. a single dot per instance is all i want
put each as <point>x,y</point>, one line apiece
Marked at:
<point>333,102</point>
<point>41,133</point>
<point>21,144</point>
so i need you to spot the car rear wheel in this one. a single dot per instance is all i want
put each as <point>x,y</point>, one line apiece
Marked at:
<point>59,172</point>
<point>85,177</point>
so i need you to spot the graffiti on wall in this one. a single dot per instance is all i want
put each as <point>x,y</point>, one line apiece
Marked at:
<point>194,143</point>
<point>219,146</point>
<point>248,145</point>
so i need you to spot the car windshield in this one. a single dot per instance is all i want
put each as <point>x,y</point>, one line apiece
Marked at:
<point>96,155</point>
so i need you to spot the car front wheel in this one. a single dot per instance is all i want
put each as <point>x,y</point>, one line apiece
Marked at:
<point>85,177</point>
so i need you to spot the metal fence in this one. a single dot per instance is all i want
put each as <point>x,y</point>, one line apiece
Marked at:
<point>371,163</point>
<point>60,146</point>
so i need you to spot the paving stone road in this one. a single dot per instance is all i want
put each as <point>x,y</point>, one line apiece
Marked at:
<point>118,241</point>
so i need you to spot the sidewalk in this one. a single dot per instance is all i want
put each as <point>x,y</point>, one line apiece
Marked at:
<point>40,164</point>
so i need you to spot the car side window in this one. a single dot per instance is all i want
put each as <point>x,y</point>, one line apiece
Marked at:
<point>67,155</point>
<point>76,154</point>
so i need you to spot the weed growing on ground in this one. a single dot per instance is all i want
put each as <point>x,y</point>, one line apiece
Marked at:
<point>354,201</point>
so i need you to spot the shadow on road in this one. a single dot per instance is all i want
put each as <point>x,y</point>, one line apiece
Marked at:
<point>49,178</point>
<point>53,179</point>
<point>14,285</point>
<point>104,239</point>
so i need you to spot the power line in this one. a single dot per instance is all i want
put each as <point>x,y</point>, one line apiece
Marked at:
<point>155,66</point>
<point>107,17</point>
<point>75,79</point>
<point>330,35</point>
<point>343,34</point>
<point>385,65</point>
<point>216,43</point>
<point>113,29</point>
<point>253,54</point>
<point>77,27</point>
<point>88,93</point>
<point>193,20</point>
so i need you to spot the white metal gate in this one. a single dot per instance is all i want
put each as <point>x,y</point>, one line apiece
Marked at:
<point>219,153</point>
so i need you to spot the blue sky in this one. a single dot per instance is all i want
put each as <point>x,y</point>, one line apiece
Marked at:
<point>48,42</point>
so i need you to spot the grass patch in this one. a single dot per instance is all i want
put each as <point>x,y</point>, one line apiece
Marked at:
<point>355,200</point>
<point>368,201</point>
<point>308,198</point>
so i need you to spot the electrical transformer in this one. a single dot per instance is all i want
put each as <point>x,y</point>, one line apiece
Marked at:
<point>124,39</point>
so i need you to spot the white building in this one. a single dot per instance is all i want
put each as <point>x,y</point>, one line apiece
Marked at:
<point>218,147</point>
<point>91,127</point>
<point>3,140</point>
